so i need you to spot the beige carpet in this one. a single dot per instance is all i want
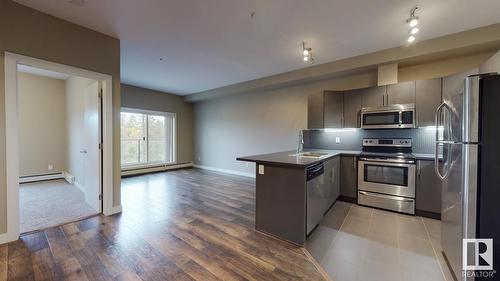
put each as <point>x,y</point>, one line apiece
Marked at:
<point>50,203</point>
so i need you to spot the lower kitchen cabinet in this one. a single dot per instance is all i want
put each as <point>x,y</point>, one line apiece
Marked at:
<point>428,190</point>
<point>348,178</point>
<point>332,176</point>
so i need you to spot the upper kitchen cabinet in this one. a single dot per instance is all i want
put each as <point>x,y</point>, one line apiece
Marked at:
<point>352,108</point>
<point>427,100</point>
<point>455,82</point>
<point>374,96</point>
<point>315,111</point>
<point>400,93</point>
<point>334,109</point>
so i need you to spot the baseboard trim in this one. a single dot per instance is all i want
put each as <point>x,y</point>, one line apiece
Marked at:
<point>4,238</point>
<point>115,210</point>
<point>226,171</point>
<point>52,176</point>
<point>147,170</point>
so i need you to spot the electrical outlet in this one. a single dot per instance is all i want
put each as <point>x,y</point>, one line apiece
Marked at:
<point>199,159</point>
<point>261,169</point>
<point>337,140</point>
<point>50,167</point>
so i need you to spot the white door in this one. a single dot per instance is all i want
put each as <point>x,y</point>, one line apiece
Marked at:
<point>92,155</point>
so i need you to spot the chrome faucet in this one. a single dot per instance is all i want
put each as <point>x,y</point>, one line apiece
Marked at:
<point>300,143</point>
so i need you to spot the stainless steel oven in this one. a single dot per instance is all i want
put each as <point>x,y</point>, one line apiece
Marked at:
<point>387,175</point>
<point>388,117</point>
<point>395,177</point>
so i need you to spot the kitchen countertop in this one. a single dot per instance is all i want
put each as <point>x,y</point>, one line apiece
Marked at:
<point>284,158</point>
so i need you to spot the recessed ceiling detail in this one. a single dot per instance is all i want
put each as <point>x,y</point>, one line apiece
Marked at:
<point>213,45</point>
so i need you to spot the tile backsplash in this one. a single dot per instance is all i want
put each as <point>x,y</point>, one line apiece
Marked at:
<point>350,139</point>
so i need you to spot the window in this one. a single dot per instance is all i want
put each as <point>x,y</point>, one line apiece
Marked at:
<point>147,138</point>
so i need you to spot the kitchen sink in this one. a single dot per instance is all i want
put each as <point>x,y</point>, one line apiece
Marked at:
<point>310,154</point>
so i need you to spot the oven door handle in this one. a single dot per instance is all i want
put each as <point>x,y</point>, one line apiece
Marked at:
<point>387,161</point>
<point>386,196</point>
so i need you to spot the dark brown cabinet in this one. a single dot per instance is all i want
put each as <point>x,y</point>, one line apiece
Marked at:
<point>348,178</point>
<point>352,108</point>
<point>428,191</point>
<point>427,100</point>
<point>400,93</point>
<point>334,109</point>
<point>315,111</point>
<point>374,96</point>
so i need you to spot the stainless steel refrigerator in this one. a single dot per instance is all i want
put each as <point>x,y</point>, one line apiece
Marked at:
<point>468,163</point>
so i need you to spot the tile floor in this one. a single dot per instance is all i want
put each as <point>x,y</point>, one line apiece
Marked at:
<point>360,243</point>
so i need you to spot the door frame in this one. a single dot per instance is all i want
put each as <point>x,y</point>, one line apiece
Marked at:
<point>12,135</point>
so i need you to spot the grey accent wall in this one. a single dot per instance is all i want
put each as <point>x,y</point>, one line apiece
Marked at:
<point>258,122</point>
<point>140,98</point>
<point>350,139</point>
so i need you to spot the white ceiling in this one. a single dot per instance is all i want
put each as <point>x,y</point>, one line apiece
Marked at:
<point>209,44</point>
<point>42,72</point>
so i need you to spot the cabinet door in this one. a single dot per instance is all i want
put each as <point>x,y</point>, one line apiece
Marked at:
<point>427,100</point>
<point>352,108</point>
<point>455,82</point>
<point>315,111</point>
<point>348,177</point>
<point>332,179</point>
<point>428,193</point>
<point>374,96</point>
<point>401,93</point>
<point>334,109</point>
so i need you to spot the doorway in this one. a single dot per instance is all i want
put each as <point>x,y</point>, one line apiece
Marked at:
<point>59,138</point>
<point>91,173</point>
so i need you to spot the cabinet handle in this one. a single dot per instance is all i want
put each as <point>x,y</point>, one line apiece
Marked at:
<point>383,99</point>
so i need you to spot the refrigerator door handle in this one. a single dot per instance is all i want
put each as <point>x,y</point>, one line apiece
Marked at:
<point>438,118</point>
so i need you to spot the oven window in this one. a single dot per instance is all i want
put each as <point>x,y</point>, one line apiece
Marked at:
<point>386,174</point>
<point>385,118</point>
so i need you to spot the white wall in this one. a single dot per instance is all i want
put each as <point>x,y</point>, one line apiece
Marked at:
<point>75,127</point>
<point>42,124</point>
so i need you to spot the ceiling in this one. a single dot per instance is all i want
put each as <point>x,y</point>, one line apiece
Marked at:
<point>189,46</point>
<point>42,72</point>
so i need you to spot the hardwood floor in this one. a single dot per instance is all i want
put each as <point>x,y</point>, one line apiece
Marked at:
<point>181,225</point>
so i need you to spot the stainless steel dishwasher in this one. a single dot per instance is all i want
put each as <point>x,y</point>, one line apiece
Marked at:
<point>315,195</point>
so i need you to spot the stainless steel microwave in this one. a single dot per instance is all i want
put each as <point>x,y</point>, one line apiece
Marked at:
<point>388,117</point>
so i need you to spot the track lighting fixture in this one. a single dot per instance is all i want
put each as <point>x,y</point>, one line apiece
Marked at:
<point>412,21</point>
<point>307,53</point>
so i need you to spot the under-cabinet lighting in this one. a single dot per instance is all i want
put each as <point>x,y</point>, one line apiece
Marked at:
<point>334,130</point>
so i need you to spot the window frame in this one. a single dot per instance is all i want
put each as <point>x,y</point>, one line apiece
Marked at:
<point>170,136</point>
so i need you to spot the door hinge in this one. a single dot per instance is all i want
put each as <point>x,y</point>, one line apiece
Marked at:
<point>100,146</point>
<point>99,94</point>
<point>100,196</point>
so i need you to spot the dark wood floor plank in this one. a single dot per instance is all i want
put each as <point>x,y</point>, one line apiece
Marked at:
<point>181,225</point>
<point>4,255</point>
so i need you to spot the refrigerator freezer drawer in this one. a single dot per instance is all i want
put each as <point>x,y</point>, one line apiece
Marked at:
<point>389,202</point>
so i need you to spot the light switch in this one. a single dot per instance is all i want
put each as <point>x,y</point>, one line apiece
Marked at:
<point>337,140</point>
<point>50,167</point>
<point>261,169</point>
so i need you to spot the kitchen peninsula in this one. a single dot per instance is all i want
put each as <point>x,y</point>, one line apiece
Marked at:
<point>294,191</point>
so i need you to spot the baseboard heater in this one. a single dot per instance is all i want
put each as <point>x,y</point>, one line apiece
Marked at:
<point>42,177</point>
<point>153,169</point>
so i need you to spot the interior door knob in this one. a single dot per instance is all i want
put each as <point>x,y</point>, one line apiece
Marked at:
<point>83,151</point>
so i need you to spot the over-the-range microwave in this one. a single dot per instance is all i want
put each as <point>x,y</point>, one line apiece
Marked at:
<point>388,117</point>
